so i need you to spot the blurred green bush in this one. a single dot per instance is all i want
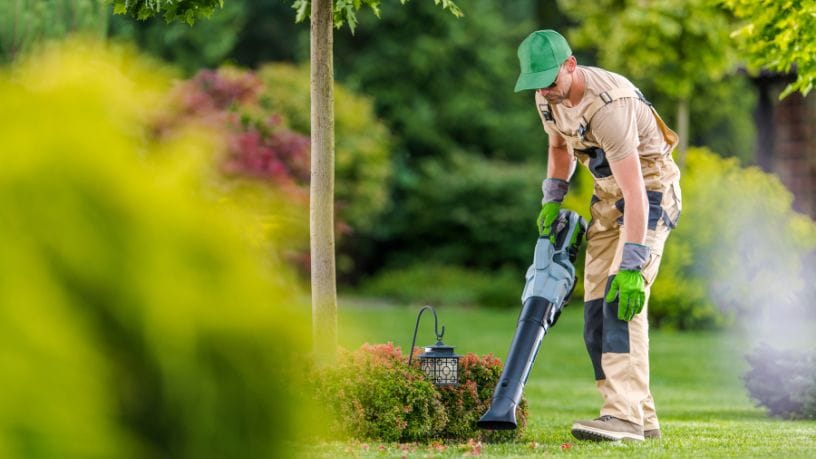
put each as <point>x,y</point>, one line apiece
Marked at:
<point>137,319</point>
<point>739,248</point>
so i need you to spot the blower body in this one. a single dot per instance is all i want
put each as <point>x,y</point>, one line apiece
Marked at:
<point>549,284</point>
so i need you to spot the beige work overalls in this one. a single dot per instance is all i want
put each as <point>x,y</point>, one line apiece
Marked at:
<point>619,350</point>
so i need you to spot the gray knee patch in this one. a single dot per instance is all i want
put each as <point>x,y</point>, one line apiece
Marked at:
<point>615,331</point>
<point>593,334</point>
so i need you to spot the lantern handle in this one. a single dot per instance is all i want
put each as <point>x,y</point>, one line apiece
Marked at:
<point>416,328</point>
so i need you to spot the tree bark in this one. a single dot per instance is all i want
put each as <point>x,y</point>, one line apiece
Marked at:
<point>321,212</point>
<point>682,131</point>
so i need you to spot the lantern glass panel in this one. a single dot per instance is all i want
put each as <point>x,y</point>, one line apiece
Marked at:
<point>441,370</point>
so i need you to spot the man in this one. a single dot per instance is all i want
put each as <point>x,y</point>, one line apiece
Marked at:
<point>603,121</point>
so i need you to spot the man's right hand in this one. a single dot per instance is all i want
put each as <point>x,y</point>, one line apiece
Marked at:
<point>547,218</point>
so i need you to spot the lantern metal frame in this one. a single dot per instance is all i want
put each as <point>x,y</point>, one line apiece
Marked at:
<point>438,362</point>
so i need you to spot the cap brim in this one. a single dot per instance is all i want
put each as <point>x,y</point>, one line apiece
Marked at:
<point>538,80</point>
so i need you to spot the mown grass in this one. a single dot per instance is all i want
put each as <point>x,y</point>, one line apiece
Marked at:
<point>696,381</point>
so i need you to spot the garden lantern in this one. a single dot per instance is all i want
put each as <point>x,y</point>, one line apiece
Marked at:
<point>438,362</point>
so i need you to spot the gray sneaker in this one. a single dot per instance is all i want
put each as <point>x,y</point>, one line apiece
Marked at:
<point>607,428</point>
<point>652,433</point>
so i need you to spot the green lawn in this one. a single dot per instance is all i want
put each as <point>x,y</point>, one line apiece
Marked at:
<point>696,382</point>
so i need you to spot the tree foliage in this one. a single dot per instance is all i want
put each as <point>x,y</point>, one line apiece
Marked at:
<point>188,11</point>
<point>345,11</point>
<point>779,36</point>
<point>207,45</point>
<point>675,47</point>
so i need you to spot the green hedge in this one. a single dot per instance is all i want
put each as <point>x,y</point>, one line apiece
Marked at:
<point>136,318</point>
<point>464,211</point>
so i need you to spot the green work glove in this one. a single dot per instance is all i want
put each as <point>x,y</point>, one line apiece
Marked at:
<point>547,218</point>
<point>629,287</point>
<point>628,284</point>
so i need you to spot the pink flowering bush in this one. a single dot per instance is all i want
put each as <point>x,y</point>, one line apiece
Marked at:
<point>262,119</point>
<point>372,393</point>
<point>258,144</point>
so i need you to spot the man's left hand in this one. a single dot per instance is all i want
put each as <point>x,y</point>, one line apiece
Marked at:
<point>628,285</point>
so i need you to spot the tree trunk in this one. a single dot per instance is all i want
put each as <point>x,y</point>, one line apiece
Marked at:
<point>682,131</point>
<point>321,215</point>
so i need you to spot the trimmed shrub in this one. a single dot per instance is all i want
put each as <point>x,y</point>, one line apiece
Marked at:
<point>374,394</point>
<point>784,382</point>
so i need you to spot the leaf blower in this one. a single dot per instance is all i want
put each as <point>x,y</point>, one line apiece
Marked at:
<point>549,284</point>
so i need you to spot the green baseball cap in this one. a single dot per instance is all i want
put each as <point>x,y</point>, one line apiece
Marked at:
<point>541,55</point>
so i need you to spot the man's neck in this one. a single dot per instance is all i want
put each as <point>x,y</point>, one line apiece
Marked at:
<point>576,92</point>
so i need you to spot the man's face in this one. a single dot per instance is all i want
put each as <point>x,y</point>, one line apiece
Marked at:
<point>557,92</point>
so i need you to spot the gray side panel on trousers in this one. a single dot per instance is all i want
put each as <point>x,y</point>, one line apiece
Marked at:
<point>615,331</point>
<point>593,334</point>
<point>656,210</point>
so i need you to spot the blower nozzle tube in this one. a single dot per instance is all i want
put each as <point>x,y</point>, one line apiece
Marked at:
<point>549,283</point>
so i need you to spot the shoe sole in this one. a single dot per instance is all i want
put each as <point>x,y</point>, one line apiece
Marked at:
<point>583,432</point>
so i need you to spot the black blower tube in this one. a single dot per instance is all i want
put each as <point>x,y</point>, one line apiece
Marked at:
<point>550,281</point>
<point>532,326</point>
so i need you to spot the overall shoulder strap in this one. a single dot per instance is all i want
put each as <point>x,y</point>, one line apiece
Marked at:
<point>546,112</point>
<point>607,97</point>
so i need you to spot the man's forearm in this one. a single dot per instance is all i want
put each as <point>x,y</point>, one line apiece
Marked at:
<point>560,164</point>
<point>634,218</point>
<point>628,175</point>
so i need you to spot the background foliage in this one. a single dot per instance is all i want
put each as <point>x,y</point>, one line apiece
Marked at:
<point>26,24</point>
<point>261,118</point>
<point>124,324</point>
<point>738,240</point>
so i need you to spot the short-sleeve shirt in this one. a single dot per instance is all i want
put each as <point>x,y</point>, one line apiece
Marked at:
<point>620,128</point>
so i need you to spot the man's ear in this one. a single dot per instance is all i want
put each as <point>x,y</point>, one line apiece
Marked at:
<point>571,63</point>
